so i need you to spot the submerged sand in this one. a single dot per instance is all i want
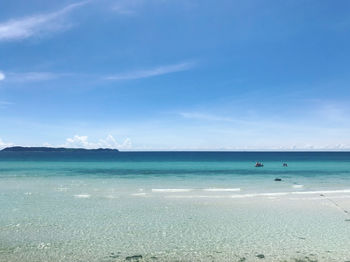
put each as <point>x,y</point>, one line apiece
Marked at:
<point>75,219</point>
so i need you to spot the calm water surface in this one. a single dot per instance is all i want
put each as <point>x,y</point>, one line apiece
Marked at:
<point>174,206</point>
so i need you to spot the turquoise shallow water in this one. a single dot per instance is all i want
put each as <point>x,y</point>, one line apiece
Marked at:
<point>175,206</point>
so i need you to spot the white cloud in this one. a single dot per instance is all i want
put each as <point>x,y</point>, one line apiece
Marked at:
<point>32,76</point>
<point>208,117</point>
<point>33,25</point>
<point>161,70</point>
<point>2,76</point>
<point>78,141</point>
<point>109,142</point>
<point>127,144</point>
<point>45,76</point>
<point>4,144</point>
<point>127,7</point>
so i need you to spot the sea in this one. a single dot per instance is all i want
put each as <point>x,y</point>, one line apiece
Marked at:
<point>174,206</point>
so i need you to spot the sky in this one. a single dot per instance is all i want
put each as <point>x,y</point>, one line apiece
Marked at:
<point>175,74</point>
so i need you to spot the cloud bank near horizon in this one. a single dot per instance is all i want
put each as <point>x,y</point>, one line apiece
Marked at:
<point>109,141</point>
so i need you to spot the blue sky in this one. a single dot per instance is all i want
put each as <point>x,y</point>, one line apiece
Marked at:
<point>175,74</point>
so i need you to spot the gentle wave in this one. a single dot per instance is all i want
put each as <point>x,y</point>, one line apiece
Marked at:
<point>221,189</point>
<point>110,197</point>
<point>261,195</point>
<point>298,186</point>
<point>322,192</point>
<point>272,194</point>
<point>196,196</point>
<point>291,193</point>
<point>318,198</point>
<point>171,190</point>
<point>139,194</point>
<point>179,190</point>
<point>82,196</point>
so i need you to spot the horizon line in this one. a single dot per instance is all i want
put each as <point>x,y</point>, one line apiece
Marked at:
<point>194,150</point>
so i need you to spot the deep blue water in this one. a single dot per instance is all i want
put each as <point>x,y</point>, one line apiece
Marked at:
<point>180,164</point>
<point>176,156</point>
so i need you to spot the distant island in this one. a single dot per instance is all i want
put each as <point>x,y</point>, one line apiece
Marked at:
<point>55,149</point>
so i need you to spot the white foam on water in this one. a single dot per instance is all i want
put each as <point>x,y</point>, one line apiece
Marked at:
<point>321,192</point>
<point>221,189</point>
<point>297,186</point>
<point>195,196</point>
<point>270,195</point>
<point>291,193</point>
<point>110,196</point>
<point>244,196</point>
<point>82,196</point>
<point>139,194</point>
<point>44,245</point>
<point>171,190</point>
<point>319,197</point>
<point>274,194</point>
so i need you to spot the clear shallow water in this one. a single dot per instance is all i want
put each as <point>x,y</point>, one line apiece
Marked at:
<point>174,207</point>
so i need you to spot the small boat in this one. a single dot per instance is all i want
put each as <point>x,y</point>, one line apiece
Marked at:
<point>285,164</point>
<point>259,164</point>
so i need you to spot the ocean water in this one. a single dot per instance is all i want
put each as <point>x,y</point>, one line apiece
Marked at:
<point>174,206</point>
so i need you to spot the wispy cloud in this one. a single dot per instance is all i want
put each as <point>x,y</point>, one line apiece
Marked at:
<point>32,76</point>
<point>4,144</point>
<point>108,142</point>
<point>26,27</point>
<point>20,77</point>
<point>2,76</point>
<point>127,7</point>
<point>161,70</point>
<point>207,117</point>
